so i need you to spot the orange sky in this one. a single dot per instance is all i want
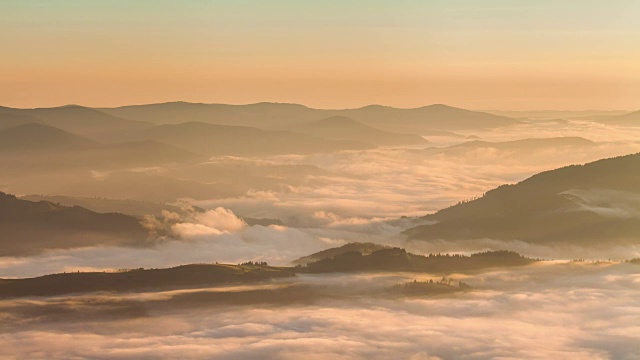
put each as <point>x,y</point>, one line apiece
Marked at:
<point>494,54</point>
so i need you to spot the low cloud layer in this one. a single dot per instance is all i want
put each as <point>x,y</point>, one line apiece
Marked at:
<point>570,310</point>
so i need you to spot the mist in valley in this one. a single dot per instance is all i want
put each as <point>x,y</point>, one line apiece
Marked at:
<point>319,180</point>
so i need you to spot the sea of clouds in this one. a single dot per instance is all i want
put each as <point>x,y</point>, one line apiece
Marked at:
<point>546,310</point>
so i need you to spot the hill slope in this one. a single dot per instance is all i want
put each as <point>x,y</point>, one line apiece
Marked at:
<point>30,227</point>
<point>592,204</point>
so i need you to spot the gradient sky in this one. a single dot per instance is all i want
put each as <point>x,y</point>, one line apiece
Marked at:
<point>480,54</point>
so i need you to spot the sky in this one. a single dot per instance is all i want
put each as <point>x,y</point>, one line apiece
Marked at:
<point>478,54</point>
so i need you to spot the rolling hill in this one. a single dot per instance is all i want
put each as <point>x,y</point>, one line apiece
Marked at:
<point>197,277</point>
<point>180,277</point>
<point>397,259</point>
<point>362,248</point>
<point>589,205</point>
<point>28,228</point>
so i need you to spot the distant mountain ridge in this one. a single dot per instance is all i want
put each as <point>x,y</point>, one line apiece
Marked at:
<point>267,115</point>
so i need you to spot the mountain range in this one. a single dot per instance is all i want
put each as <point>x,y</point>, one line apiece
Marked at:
<point>268,115</point>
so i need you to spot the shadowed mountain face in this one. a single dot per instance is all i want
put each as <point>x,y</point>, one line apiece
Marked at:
<point>82,121</point>
<point>208,139</point>
<point>268,115</point>
<point>593,204</point>
<point>28,228</point>
<point>344,128</point>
